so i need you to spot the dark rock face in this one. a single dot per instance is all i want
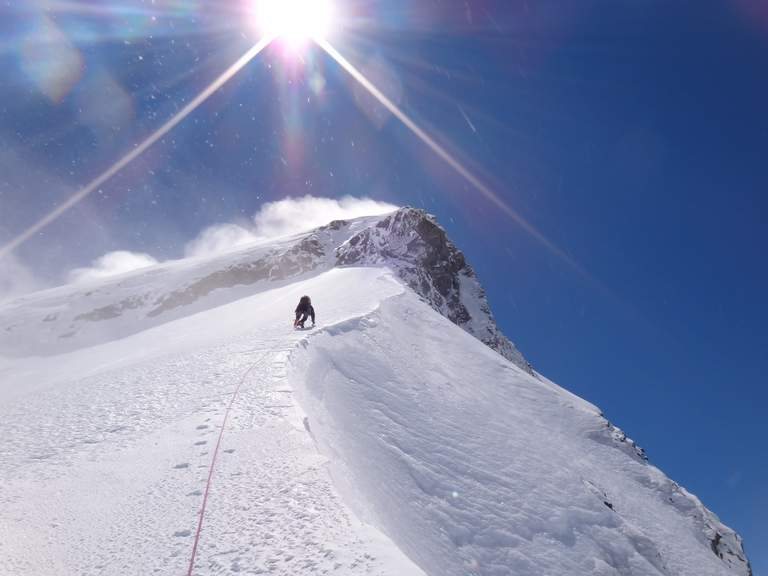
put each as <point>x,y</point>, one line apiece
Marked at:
<point>729,552</point>
<point>615,436</point>
<point>303,257</point>
<point>113,310</point>
<point>243,274</point>
<point>412,243</point>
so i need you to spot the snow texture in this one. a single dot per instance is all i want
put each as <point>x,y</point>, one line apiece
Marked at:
<point>472,466</point>
<point>393,440</point>
<point>107,450</point>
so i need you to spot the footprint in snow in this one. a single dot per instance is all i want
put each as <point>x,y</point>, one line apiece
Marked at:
<point>196,493</point>
<point>201,442</point>
<point>229,451</point>
<point>202,427</point>
<point>42,456</point>
<point>181,466</point>
<point>182,534</point>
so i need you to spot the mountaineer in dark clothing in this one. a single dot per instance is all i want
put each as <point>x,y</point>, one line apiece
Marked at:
<point>303,311</point>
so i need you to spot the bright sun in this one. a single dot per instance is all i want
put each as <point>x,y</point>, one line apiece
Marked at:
<point>295,21</point>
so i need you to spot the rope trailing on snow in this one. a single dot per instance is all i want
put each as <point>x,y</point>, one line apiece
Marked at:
<point>215,456</point>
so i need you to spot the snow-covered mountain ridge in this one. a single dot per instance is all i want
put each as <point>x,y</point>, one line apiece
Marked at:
<point>392,440</point>
<point>413,244</point>
<point>408,241</point>
<point>543,507</point>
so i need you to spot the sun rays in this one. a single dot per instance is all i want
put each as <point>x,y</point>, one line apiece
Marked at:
<point>297,23</point>
<point>142,147</point>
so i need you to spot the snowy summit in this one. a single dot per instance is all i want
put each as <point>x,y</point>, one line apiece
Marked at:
<point>404,435</point>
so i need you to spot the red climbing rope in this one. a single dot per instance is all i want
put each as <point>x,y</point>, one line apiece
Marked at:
<point>213,462</point>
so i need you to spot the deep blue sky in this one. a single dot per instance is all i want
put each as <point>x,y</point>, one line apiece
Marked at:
<point>634,135</point>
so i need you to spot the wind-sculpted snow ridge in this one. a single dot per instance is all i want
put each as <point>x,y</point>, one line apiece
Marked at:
<point>474,467</point>
<point>412,243</point>
<point>391,442</point>
<point>75,316</point>
<point>408,241</point>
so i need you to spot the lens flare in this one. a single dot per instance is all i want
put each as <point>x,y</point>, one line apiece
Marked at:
<point>295,22</point>
<point>447,157</point>
<point>138,150</point>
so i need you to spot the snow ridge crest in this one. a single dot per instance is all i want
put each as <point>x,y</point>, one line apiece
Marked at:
<point>408,241</point>
<point>418,250</point>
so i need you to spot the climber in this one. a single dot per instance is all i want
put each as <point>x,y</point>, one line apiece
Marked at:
<point>303,311</point>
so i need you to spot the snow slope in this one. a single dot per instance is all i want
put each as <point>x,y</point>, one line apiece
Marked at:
<point>474,467</point>
<point>106,451</point>
<point>405,436</point>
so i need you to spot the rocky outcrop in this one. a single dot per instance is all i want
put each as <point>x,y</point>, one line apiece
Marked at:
<point>418,250</point>
<point>729,548</point>
<point>300,258</point>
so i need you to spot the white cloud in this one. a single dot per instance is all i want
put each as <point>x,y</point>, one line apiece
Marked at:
<point>15,278</point>
<point>111,264</point>
<point>218,239</point>
<point>281,218</point>
<point>294,215</point>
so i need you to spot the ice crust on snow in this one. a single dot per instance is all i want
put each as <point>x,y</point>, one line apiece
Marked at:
<point>407,436</point>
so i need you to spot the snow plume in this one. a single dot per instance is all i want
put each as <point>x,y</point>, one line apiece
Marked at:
<point>218,239</point>
<point>15,278</point>
<point>294,215</point>
<point>112,264</point>
<point>282,218</point>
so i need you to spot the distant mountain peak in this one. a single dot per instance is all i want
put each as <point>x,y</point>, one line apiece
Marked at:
<point>417,248</point>
<point>409,241</point>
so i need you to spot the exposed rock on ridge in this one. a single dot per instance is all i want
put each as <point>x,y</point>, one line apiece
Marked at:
<point>409,241</point>
<point>417,248</point>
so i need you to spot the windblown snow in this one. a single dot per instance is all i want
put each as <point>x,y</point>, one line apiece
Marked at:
<point>406,435</point>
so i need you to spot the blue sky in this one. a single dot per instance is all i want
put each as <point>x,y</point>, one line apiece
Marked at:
<point>632,134</point>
